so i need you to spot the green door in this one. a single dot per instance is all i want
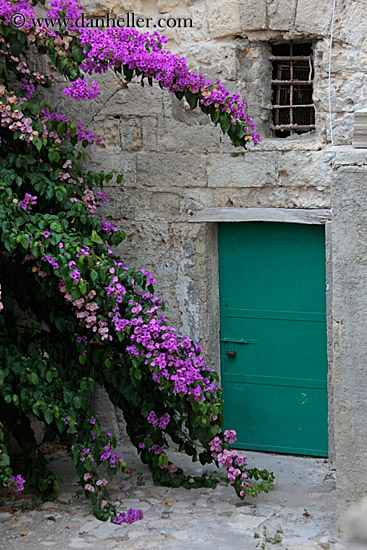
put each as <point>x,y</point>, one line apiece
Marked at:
<point>273,336</point>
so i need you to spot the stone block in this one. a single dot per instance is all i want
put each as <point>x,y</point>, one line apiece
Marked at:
<point>242,170</point>
<point>171,169</point>
<point>178,136</point>
<point>118,7</point>
<point>128,203</point>
<point>252,15</point>
<point>303,170</point>
<point>313,17</point>
<point>343,93</point>
<point>149,130</point>
<point>342,128</point>
<point>165,6</point>
<point>281,14</point>
<point>192,26</point>
<point>224,18</point>
<point>166,205</point>
<point>272,197</point>
<point>215,60</point>
<point>108,129</point>
<point>350,24</point>
<point>134,100</point>
<point>346,156</point>
<point>130,134</point>
<point>120,161</point>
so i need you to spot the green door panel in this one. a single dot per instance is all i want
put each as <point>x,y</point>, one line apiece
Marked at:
<point>273,324</point>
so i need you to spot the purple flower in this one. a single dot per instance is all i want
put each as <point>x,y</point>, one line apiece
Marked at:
<point>46,234</point>
<point>164,421</point>
<point>153,418</point>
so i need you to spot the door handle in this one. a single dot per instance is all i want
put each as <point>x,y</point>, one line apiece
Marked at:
<point>231,353</point>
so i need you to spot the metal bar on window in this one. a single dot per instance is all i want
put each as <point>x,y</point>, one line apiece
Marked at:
<point>292,127</point>
<point>291,95</point>
<point>289,57</point>
<point>294,106</point>
<point>292,82</point>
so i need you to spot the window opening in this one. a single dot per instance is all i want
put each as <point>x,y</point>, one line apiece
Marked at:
<point>292,85</point>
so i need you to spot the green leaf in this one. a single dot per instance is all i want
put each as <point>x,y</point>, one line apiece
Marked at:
<point>95,238</point>
<point>138,375</point>
<point>77,52</point>
<point>61,129</point>
<point>68,396</point>
<point>215,116</point>
<point>59,195</point>
<point>225,122</point>
<point>108,363</point>
<point>48,416</point>
<point>128,73</point>
<point>75,293</point>
<point>60,323</point>
<point>34,378</point>
<point>72,129</point>
<point>192,99</point>
<point>48,376</point>
<point>77,402</point>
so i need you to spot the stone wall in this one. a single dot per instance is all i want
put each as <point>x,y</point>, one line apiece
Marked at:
<point>175,161</point>
<point>349,203</point>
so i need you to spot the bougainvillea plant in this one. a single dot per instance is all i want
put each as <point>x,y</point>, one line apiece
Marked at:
<point>72,314</point>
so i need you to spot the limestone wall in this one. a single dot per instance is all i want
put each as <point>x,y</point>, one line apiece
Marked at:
<point>175,161</point>
<point>349,202</point>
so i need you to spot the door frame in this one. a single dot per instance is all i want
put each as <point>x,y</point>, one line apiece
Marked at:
<point>213,216</point>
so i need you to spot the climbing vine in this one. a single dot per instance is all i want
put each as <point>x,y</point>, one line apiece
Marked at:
<point>72,313</point>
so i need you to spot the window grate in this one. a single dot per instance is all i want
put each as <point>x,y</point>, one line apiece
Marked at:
<point>292,84</point>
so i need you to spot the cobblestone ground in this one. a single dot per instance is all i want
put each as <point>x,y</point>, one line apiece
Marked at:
<point>299,514</point>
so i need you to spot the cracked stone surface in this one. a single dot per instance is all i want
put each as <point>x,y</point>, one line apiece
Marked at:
<point>299,514</point>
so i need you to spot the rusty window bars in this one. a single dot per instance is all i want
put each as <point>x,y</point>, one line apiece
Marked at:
<point>292,85</point>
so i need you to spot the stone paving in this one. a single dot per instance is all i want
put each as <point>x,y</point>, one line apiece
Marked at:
<point>299,514</point>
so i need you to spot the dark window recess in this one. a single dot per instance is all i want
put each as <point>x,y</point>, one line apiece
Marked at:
<point>292,81</point>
